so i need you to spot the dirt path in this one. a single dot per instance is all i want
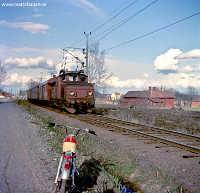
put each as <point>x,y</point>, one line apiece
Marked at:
<point>24,162</point>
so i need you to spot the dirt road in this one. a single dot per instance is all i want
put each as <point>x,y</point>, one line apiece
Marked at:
<point>23,159</point>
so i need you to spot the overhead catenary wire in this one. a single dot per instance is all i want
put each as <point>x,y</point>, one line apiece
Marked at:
<point>115,14</point>
<point>78,41</point>
<point>152,32</point>
<point>63,62</point>
<point>124,21</point>
<point>75,57</point>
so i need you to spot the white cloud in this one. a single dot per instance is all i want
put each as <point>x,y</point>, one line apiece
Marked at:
<point>167,62</point>
<point>187,69</point>
<point>180,80</point>
<point>146,75</point>
<point>87,6</point>
<point>16,80</point>
<point>50,57</point>
<point>26,26</point>
<point>25,63</point>
<point>29,62</point>
<point>115,82</point>
<point>171,61</point>
<point>192,54</point>
<point>173,73</point>
<point>128,75</point>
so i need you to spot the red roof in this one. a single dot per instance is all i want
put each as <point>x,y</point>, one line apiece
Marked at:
<point>153,94</point>
<point>161,94</point>
<point>136,94</point>
<point>196,98</point>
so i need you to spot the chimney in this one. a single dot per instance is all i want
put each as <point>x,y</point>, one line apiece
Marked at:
<point>150,90</point>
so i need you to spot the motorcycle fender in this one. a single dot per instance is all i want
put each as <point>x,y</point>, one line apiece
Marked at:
<point>65,174</point>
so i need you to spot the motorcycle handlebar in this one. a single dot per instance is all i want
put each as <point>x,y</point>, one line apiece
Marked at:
<point>92,132</point>
<point>53,124</point>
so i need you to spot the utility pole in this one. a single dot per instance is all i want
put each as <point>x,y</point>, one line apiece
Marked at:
<point>41,77</point>
<point>87,51</point>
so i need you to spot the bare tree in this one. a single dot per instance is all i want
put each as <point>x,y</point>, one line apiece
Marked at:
<point>32,83</point>
<point>97,72</point>
<point>192,91</point>
<point>2,73</point>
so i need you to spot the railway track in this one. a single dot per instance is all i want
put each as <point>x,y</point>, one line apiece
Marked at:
<point>173,138</point>
<point>166,136</point>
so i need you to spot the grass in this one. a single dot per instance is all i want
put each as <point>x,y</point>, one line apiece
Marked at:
<point>55,136</point>
<point>116,165</point>
<point>112,165</point>
<point>180,120</point>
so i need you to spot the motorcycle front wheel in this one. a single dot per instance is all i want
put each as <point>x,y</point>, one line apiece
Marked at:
<point>63,186</point>
<point>56,188</point>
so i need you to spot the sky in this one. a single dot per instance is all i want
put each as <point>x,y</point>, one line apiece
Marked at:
<point>33,34</point>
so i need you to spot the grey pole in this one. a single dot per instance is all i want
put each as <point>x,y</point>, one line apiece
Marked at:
<point>87,52</point>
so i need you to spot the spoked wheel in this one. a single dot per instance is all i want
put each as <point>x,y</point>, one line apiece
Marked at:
<point>63,186</point>
<point>57,187</point>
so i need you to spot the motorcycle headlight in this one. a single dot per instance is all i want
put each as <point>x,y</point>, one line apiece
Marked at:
<point>90,93</point>
<point>72,93</point>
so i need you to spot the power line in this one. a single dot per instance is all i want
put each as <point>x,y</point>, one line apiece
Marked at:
<point>154,31</point>
<point>109,19</point>
<point>124,21</point>
<point>76,57</point>
<point>78,41</point>
<point>114,16</point>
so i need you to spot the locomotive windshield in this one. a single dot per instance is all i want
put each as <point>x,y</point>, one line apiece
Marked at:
<point>73,76</point>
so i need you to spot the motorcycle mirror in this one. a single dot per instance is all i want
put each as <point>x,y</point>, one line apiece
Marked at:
<point>92,132</point>
<point>51,124</point>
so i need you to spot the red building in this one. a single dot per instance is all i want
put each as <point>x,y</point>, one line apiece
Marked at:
<point>195,101</point>
<point>152,97</point>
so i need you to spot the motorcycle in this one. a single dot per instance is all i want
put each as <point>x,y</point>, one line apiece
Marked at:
<point>65,177</point>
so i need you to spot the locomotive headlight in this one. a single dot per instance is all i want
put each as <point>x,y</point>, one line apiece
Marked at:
<point>72,93</point>
<point>90,93</point>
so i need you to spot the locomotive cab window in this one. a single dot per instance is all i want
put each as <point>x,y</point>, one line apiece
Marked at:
<point>71,78</point>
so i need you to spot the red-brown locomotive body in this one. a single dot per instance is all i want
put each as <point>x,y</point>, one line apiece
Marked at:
<point>70,90</point>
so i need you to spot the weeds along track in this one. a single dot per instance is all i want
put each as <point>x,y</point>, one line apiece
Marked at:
<point>173,138</point>
<point>166,136</point>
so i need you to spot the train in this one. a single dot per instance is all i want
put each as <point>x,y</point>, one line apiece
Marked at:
<point>70,90</point>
